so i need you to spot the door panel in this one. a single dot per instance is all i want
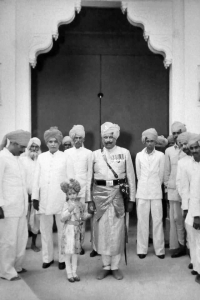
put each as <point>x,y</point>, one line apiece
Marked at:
<point>135,97</point>
<point>65,94</point>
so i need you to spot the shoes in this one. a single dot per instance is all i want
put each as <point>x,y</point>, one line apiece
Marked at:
<point>197,279</point>
<point>102,274</point>
<point>161,256</point>
<point>194,272</point>
<point>82,251</point>
<point>35,248</point>
<point>46,265</point>
<point>61,265</point>
<point>117,274</point>
<point>76,278</point>
<point>190,266</point>
<point>71,279</point>
<point>15,278</point>
<point>22,271</point>
<point>93,253</point>
<point>141,256</point>
<point>180,252</point>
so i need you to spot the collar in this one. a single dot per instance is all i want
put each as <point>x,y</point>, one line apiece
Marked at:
<point>175,146</point>
<point>154,151</point>
<point>110,150</point>
<point>53,154</point>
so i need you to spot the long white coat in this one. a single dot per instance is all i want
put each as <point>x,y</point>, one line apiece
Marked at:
<point>172,156</point>
<point>183,189</point>
<point>79,162</point>
<point>150,174</point>
<point>190,191</point>
<point>13,193</point>
<point>29,166</point>
<point>49,173</point>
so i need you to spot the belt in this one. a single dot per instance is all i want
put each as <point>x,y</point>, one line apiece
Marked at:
<point>109,182</point>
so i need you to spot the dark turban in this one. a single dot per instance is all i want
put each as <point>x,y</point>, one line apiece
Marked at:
<point>20,137</point>
<point>53,132</point>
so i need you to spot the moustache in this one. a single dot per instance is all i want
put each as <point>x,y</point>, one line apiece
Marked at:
<point>108,143</point>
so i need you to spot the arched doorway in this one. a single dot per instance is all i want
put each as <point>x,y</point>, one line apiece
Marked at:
<point>101,51</point>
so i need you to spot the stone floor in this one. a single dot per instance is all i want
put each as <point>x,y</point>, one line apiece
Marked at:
<point>147,279</point>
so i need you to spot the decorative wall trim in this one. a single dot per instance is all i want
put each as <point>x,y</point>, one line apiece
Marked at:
<point>46,28</point>
<point>155,18</point>
<point>41,43</point>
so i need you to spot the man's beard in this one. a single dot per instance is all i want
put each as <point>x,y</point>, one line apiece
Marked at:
<point>33,155</point>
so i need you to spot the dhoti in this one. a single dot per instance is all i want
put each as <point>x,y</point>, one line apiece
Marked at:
<point>109,227</point>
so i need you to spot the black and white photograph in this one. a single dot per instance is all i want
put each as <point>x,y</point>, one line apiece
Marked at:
<point>99,149</point>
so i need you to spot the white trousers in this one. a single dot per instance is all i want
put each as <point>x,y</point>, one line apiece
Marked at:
<point>13,240</point>
<point>144,207</point>
<point>177,230</point>
<point>71,261</point>
<point>46,224</point>
<point>196,264</point>
<point>191,242</point>
<point>111,262</point>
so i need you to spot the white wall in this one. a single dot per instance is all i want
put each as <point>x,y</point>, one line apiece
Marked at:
<point>27,26</point>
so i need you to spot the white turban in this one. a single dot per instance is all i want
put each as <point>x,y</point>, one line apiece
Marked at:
<point>53,132</point>
<point>20,137</point>
<point>161,141</point>
<point>176,126</point>
<point>193,139</point>
<point>183,137</point>
<point>150,134</point>
<point>110,128</point>
<point>170,139</point>
<point>66,139</point>
<point>77,130</point>
<point>35,141</point>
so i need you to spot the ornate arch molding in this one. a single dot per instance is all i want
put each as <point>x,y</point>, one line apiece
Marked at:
<point>155,18</point>
<point>45,26</point>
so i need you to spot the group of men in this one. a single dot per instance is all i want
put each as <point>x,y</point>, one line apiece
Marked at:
<point>102,175</point>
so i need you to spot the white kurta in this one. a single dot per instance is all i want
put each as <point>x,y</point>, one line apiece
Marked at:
<point>29,167</point>
<point>191,192</point>
<point>150,172</point>
<point>13,228</point>
<point>177,231</point>
<point>50,171</point>
<point>13,193</point>
<point>49,174</point>
<point>79,162</point>
<point>172,156</point>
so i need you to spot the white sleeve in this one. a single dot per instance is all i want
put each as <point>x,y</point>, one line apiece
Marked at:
<point>130,173</point>
<point>36,179</point>
<point>162,168</point>
<point>2,170</point>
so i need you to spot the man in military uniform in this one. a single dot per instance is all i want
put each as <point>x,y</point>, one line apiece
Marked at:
<point>111,167</point>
